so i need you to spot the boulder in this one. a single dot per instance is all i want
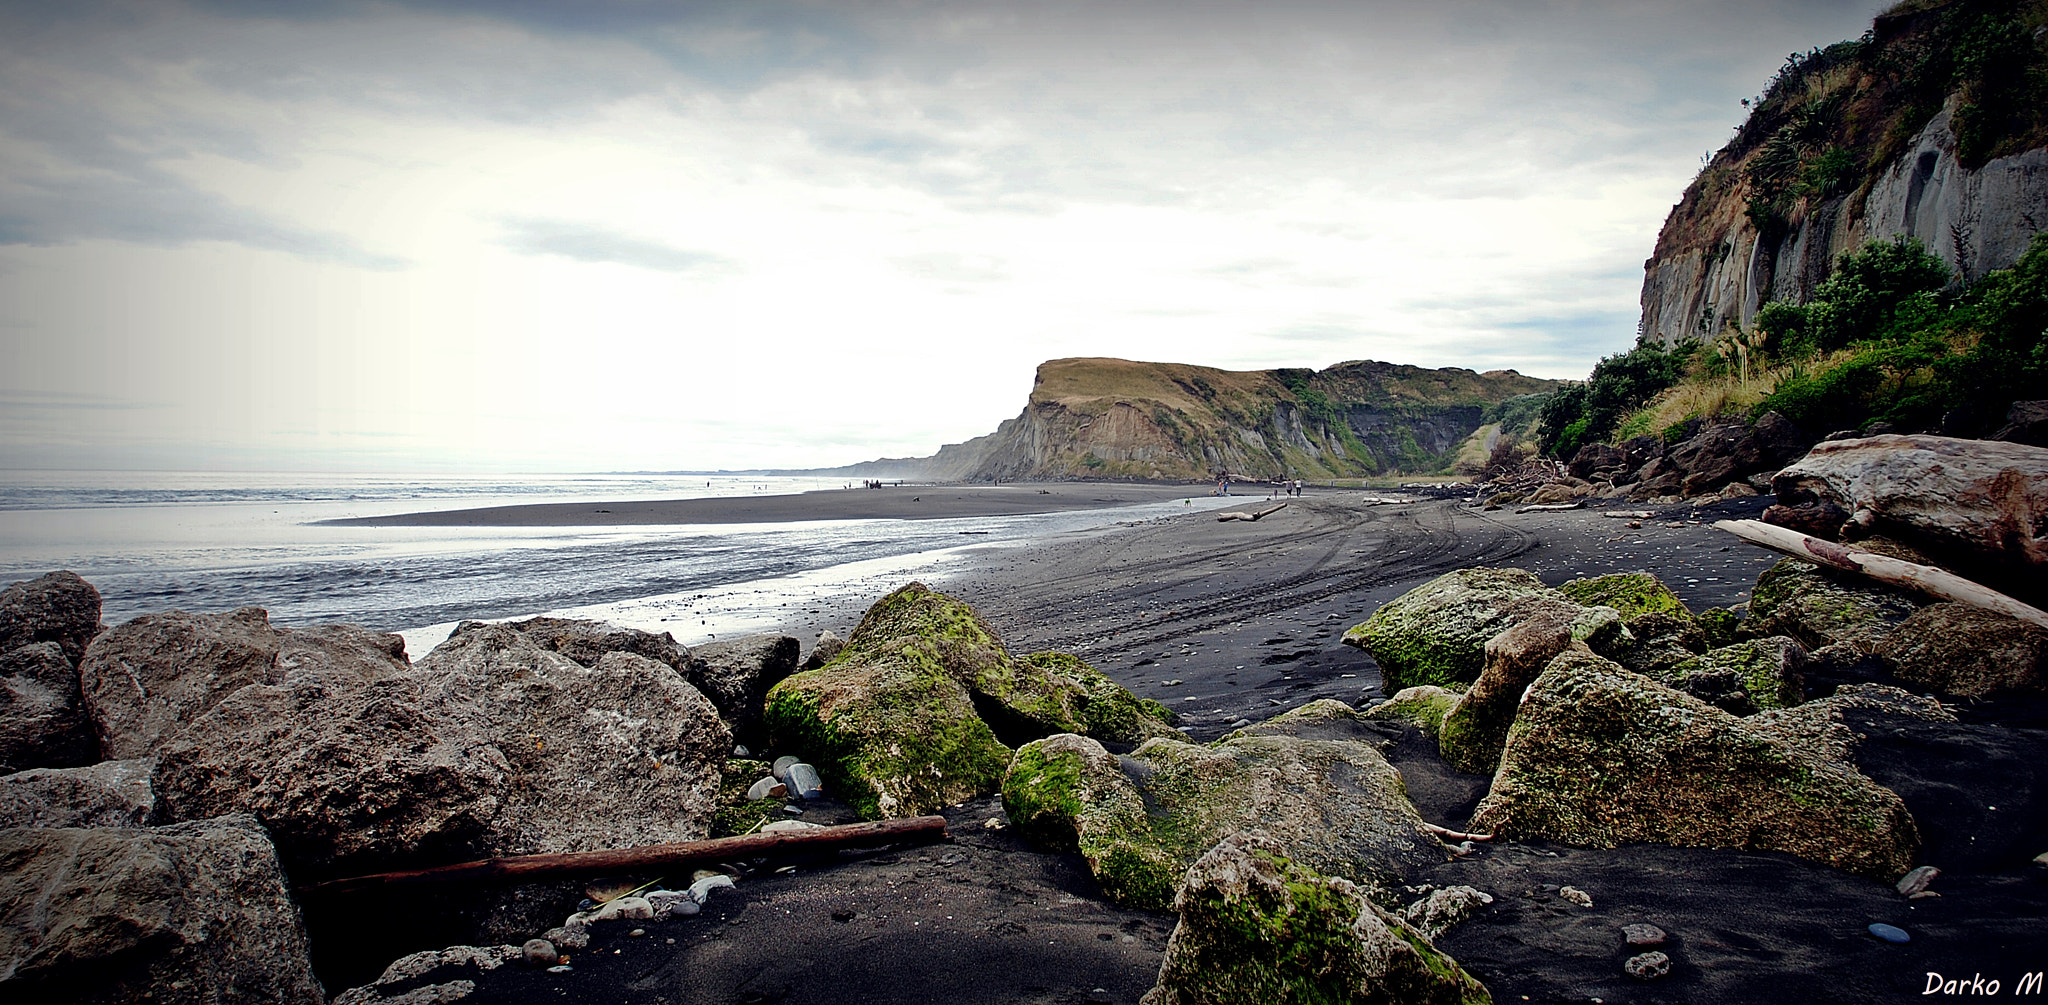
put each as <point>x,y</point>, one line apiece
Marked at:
<point>1968,652</point>
<point>586,642</point>
<point>1599,756</point>
<point>1746,677</point>
<point>829,645</point>
<point>1476,726</point>
<point>58,607</point>
<point>1441,910</point>
<point>1828,727</point>
<point>144,679</point>
<point>42,716</point>
<point>192,913</point>
<point>1140,820</point>
<point>1712,457</point>
<point>438,975</point>
<point>736,675</point>
<point>1594,457</point>
<point>1663,641</point>
<point>1422,707</point>
<point>622,753</point>
<point>1256,925</point>
<point>1632,594</point>
<point>1436,633</point>
<point>1974,504</point>
<point>1819,607</point>
<point>387,774</point>
<point>1559,492</point>
<point>1060,693</point>
<point>2025,422</point>
<point>107,794</point>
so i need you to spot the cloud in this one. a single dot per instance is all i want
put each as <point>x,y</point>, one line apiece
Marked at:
<point>946,266</point>
<point>601,246</point>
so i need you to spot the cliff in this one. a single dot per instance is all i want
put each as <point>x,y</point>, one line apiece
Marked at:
<point>1113,418</point>
<point>1933,125</point>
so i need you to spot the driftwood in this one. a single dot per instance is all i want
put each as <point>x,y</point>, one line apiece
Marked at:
<point>1242,515</point>
<point>1547,507</point>
<point>1940,584</point>
<point>1450,835</point>
<point>618,861</point>
<point>1628,514</point>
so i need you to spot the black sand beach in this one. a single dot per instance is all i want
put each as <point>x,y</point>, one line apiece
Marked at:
<point>1233,621</point>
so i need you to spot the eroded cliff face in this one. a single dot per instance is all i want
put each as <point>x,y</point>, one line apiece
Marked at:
<point>1904,133</point>
<point>1110,418</point>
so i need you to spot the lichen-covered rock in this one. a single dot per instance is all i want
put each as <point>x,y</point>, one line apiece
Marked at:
<point>107,794</point>
<point>1600,756</point>
<point>42,715</point>
<point>1662,641</point>
<point>145,679</point>
<point>1141,819</point>
<point>1821,728</point>
<point>737,673</point>
<point>1968,651</point>
<point>1811,604</point>
<point>1633,594</point>
<point>1746,677</point>
<point>58,607</point>
<point>1437,632</point>
<point>347,778</point>
<point>1476,726</point>
<point>622,753</point>
<point>193,913</point>
<point>1422,707</point>
<point>1442,910</point>
<point>586,642</point>
<point>1258,926</point>
<point>431,977</point>
<point>1073,697</point>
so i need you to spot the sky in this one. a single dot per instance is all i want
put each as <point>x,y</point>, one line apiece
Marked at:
<point>466,236</point>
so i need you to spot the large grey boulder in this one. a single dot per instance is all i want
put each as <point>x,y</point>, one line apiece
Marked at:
<point>107,794</point>
<point>192,913</point>
<point>1979,504</point>
<point>347,778</point>
<point>58,607</point>
<point>586,642</point>
<point>1437,632</point>
<point>737,673</point>
<point>1256,925</point>
<point>1601,757</point>
<point>1141,820</point>
<point>145,679</point>
<point>42,716</point>
<point>621,753</point>
<point>1968,652</point>
<point>1819,608</point>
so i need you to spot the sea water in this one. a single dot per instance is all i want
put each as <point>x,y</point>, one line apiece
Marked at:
<point>209,541</point>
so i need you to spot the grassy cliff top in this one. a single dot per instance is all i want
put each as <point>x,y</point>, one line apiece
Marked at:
<point>1079,382</point>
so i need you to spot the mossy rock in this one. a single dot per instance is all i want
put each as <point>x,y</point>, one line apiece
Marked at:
<point>890,732</point>
<point>1813,605</point>
<point>1066,695</point>
<point>1969,652</point>
<point>1633,594</point>
<point>1422,707</point>
<point>736,814</point>
<point>1602,757</point>
<point>1258,926</point>
<point>1744,678</point>
<point>1140,820</point>
<point>1476,727</point>
<point>1437,632</point>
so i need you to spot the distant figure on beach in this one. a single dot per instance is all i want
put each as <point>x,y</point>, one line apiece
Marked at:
<point>1222,484</point>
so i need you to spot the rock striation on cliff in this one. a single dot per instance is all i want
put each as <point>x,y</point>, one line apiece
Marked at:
<point>1113,418</point>
<point>1932,126</point>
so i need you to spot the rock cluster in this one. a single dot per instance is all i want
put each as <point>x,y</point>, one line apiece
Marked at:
<point>1721,458</point>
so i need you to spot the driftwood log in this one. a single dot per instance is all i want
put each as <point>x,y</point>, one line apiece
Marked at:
<point>1242,515</point>
<point>622,861</point>
<point>1938,583</point>
<point>1550,507</point>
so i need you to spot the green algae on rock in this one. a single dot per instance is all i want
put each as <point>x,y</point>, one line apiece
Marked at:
<point>1969,652</point>
<point>1437,632</point>
<point>1140,820</point>
<point>1744,678</point>
<point>1258,926</point>
<point>1476,727</point>
<point>1808,603</point>
<point>1422,706</point>
<point>1601,757</point>
<point>1633,594</point>
<point>1069,696</point>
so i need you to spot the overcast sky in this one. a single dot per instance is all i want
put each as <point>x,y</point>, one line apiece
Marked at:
<point>611,234</point>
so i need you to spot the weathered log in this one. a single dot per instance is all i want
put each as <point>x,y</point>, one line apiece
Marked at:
<point>1550,507</point>
<point>1242,515</point>
<point>1938,583</point>
<point>618,861</point>
<point>1450,835</point>
<point>1628,514</point>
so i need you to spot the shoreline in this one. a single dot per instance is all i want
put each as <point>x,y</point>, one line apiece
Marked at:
<point>909,502</point>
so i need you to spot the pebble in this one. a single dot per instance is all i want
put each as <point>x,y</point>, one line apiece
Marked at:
<point>2041,859</point>
<point>767,788</point>
<point>785,826</point>
<point>740,750</point>
<point>804,781</point>
<point>1917,880</point>
<point>792,809</point>
<point>684,908</point>
<point>1643,935</point>
<point>665,901</point>
<point>540,953</point>
<point>1647,967</point>
<point>1240,724</point>
<point>563,969</point>
<point>781,767</point>
<point>1576,896</point>
<point>568,937</point>
<point>1895,936</point>
<point>700,891</point>
<point>623,909</point>
<point>636,933</point>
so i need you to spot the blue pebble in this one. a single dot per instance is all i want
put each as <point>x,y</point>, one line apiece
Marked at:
<point>1897,936</point>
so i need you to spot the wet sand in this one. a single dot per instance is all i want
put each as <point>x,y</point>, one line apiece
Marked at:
<point>908,502</point>
<point>1231,621</point>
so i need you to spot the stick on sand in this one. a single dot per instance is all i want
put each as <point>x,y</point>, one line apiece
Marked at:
<point>1938,583</point>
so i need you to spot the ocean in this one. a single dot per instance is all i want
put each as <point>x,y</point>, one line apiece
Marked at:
<point>207,541</point>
